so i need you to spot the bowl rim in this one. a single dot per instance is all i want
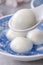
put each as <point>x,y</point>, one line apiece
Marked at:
<point>32,6</point>
<point>20,56</point>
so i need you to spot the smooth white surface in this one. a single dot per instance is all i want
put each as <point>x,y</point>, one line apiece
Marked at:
<point>21,45</point>
<point>36,36</point>
<point>12,34</point>
<point>22,19</point>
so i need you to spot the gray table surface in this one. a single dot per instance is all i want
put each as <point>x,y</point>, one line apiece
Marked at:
<point>6,10</point>
<point>5,61</point>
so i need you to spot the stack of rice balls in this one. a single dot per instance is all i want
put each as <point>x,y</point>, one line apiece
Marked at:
<point>21,39</point>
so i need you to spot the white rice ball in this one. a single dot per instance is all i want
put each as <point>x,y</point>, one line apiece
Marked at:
<point>22,19</point>
<point>21,45</point>
<point>12,34</point>
<point>36,36</point>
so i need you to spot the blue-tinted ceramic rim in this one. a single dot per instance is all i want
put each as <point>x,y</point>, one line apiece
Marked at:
<point>32,6</point>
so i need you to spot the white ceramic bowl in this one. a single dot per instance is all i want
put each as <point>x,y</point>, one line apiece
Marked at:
<point>38,11</point>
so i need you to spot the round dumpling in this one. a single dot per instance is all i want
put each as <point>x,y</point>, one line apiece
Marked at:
<point>21,45</point>
<point>22,19</point>
<point>12,34</point>
<point>36,36</point>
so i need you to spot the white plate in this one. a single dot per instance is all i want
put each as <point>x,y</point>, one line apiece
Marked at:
<point>5,49</point>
